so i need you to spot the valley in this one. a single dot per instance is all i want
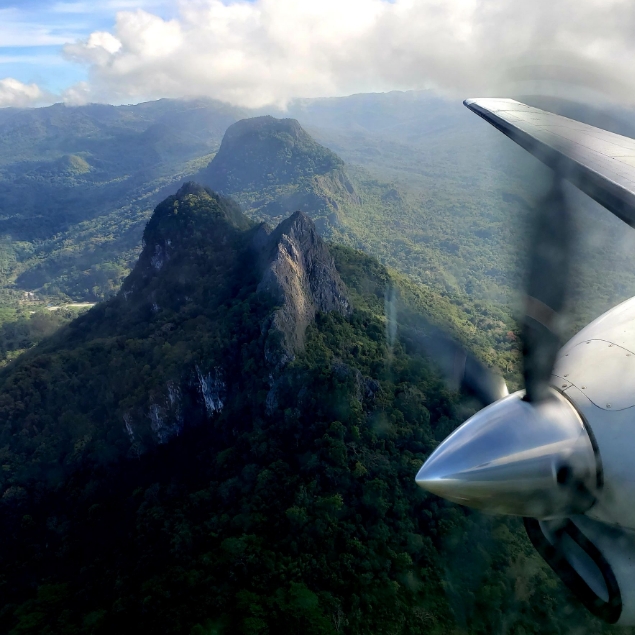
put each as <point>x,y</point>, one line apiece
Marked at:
<point>214,389</point>
<point>228,446</point>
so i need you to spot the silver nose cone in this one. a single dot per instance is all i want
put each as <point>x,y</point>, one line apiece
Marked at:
<point>517,458</point>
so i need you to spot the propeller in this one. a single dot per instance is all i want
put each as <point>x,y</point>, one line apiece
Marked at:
<point>546,291</point>
<point>462,370</point>
<point>525,455</point>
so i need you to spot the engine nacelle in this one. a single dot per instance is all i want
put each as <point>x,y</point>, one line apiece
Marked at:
<point>596,561</point>
<point>566,462</point>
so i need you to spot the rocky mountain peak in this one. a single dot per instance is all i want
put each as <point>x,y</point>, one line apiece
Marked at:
<point>197,232</point>
<point>265,151</point>
<point>300,274</point>
<point>273,167</point>
<point>194,224</point>
<point>192,207</point>
<point>191,189</point>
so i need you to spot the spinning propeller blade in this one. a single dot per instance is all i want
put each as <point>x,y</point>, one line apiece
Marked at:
<point>546,291</point>
<point>462,370</point>
<point>526,455</point>
<point>547,284</point>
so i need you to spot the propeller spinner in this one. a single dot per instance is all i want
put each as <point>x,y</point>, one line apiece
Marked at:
<point>560,452</point>
<point>529,453</point>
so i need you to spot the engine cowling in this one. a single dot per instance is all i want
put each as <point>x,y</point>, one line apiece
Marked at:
<point>595,561</point>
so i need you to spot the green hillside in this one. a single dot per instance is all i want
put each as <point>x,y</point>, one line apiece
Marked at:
<point>229,446</point>
<point>272,167</point>
<point>77,185</point>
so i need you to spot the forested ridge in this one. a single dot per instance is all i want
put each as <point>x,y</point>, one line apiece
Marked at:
<point>78,184</point>
<point>265,497</point>
<point>171,461</point>
<point>417,181</point>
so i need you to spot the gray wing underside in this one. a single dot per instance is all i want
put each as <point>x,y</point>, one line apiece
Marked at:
<point>600,163</point>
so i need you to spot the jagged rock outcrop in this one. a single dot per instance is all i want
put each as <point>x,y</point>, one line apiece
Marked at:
<point>200,249</point>
<point>300,274</point>
<point>211,314</point>
<point>274,167</point>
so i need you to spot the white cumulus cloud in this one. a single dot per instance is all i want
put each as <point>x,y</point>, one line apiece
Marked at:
<point>270,51</point>
<point>15,93</point>
<point>98,49</point>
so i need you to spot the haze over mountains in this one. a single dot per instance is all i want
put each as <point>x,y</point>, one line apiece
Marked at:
<point>443,196</point>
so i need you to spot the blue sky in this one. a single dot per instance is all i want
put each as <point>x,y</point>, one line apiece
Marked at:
<point>33,32</point>
<point>263,52</point>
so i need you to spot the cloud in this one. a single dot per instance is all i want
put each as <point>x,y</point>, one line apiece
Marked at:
<point>78,94</point>
<point>270,51</point>
<point>97,50</point>
<point>15,93</point>
<point>17,28</point>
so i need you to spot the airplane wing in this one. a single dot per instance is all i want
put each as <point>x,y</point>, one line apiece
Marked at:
<point>600,163</point>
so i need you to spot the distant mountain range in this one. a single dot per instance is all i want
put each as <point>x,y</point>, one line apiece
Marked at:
<point>443,198</point>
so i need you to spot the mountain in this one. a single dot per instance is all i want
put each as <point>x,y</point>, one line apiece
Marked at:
<point>78,184</point>
<point>276,167</point>
<point>203,264</point>
<point>90,258</point>
<point>229,446</point>
<point>443,197</point>
<point>436,194</point>
<point>272,167</point>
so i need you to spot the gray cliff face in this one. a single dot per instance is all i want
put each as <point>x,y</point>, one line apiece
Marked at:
<point>300,274</point>
<point>193,237</point>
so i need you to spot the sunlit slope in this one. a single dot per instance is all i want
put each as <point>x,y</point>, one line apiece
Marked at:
<point>77,184</point>
<point>459,216</point>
